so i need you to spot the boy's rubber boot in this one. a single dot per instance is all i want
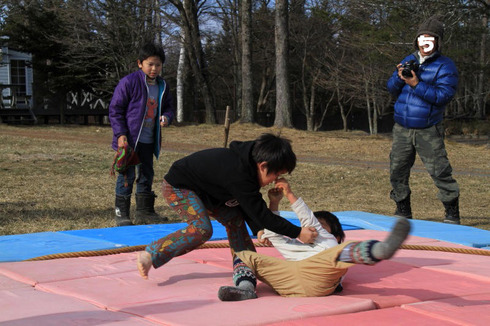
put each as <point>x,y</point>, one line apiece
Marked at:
<point>403,208</point>
<point>123,204</point>
<point>452,211</point>
<point>145,210</point>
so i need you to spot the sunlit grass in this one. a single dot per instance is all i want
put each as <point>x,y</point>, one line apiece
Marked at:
<point>57,178</point>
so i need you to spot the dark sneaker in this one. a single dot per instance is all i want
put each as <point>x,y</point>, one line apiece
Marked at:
<point>403,208</point>
<point>232,293</point>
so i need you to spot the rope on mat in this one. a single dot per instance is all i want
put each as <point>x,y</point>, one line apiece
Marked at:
<point>114,251</point>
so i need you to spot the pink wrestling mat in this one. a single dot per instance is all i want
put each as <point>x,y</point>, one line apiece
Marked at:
<point>414,288</point>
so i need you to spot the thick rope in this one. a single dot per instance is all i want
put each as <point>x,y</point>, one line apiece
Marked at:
<point>114,251</point>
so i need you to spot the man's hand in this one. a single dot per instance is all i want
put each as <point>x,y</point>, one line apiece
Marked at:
<point>411,81</point>
<point>308,234</point>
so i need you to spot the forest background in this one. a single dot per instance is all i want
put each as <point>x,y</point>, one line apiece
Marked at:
<point>307,64</point>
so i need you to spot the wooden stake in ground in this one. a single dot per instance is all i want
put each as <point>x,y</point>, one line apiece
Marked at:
<point>227,125</point>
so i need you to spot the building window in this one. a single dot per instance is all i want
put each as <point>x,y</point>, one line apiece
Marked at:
<point>18,76</point>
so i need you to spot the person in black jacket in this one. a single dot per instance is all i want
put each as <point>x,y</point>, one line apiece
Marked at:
<point>224,183</point>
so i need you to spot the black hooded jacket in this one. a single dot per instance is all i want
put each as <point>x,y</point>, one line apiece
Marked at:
<point>219,175</point>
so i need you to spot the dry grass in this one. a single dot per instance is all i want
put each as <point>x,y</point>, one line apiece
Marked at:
<point>57,178</point>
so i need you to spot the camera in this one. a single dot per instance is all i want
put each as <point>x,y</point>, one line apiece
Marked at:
<point>408,67</point>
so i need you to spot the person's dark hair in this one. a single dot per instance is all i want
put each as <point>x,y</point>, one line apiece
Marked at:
<point>332,220</point>
<point>276,152</point>
<point>151,50</point>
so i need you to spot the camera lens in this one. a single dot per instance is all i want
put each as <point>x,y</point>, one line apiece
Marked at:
<point>407,73</point>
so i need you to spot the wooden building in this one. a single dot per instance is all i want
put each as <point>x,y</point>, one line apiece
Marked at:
<point>16,78</point>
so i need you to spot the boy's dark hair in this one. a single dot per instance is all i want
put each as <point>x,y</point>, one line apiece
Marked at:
<point>151,50</point>
<point>332,220</point>
<point>276,152</point>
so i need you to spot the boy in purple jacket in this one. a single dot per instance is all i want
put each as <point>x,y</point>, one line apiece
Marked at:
<point>141,103</point>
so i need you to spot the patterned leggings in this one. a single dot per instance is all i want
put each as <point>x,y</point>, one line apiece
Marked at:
<point>199,229</point>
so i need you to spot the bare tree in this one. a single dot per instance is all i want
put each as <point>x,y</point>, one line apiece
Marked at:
<point>188,10</point>
<point>283,102</point>
<point>181,80</point>
<point>247,86</point>
<point>483,61</point>
<point>264,56</point>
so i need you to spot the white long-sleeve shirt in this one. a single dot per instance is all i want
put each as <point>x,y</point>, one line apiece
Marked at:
<point>293,249</point>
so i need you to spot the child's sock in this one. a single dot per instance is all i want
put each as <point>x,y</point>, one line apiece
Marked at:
<point>144,264</point>
<point>387,248</point>
<point>245,282</point>
<point>372,251</point>
<point>246,286</point>
<point>235,293</point>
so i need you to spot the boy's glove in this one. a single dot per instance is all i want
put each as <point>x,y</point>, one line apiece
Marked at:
<point>124,158</point>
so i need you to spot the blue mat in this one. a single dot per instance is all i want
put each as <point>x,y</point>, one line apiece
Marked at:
<point>460,234</point>
<point>25,246</point>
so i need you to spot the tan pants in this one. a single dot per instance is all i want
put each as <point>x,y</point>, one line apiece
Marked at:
<point>315,276</point>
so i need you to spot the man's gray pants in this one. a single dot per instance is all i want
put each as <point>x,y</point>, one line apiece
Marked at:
<point>428,143</point>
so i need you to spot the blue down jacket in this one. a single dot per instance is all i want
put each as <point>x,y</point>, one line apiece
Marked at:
<point>128,107</point>
<point>423,106</point>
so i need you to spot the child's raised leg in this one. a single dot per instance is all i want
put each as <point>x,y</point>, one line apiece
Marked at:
<point>372,251</point>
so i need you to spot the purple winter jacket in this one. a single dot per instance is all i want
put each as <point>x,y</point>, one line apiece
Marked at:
<point>128,107</point>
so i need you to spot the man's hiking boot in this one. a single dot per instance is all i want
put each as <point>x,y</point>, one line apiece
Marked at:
<point>452,211</point>
<point>403,208</point>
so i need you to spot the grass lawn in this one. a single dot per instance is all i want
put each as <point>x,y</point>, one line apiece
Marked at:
<point>57,177</point>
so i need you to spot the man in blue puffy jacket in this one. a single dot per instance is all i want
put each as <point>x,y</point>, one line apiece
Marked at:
<point>424,83</point>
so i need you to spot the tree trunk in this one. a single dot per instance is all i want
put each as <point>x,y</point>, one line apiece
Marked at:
<point>368,106</point>
<point>310,109</point>
<point>323,113</point>
<point>247,86</point>
<point>342,111</point>
<point>481,80</point>
<point>157,23</point>
<point>265,89</point>
<point>180,82</point>
<point>283,101</point>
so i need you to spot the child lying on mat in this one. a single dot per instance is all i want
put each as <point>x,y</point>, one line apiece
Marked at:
<point>330,232</point>
<point>317,269</point>
<point>318,275</point>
